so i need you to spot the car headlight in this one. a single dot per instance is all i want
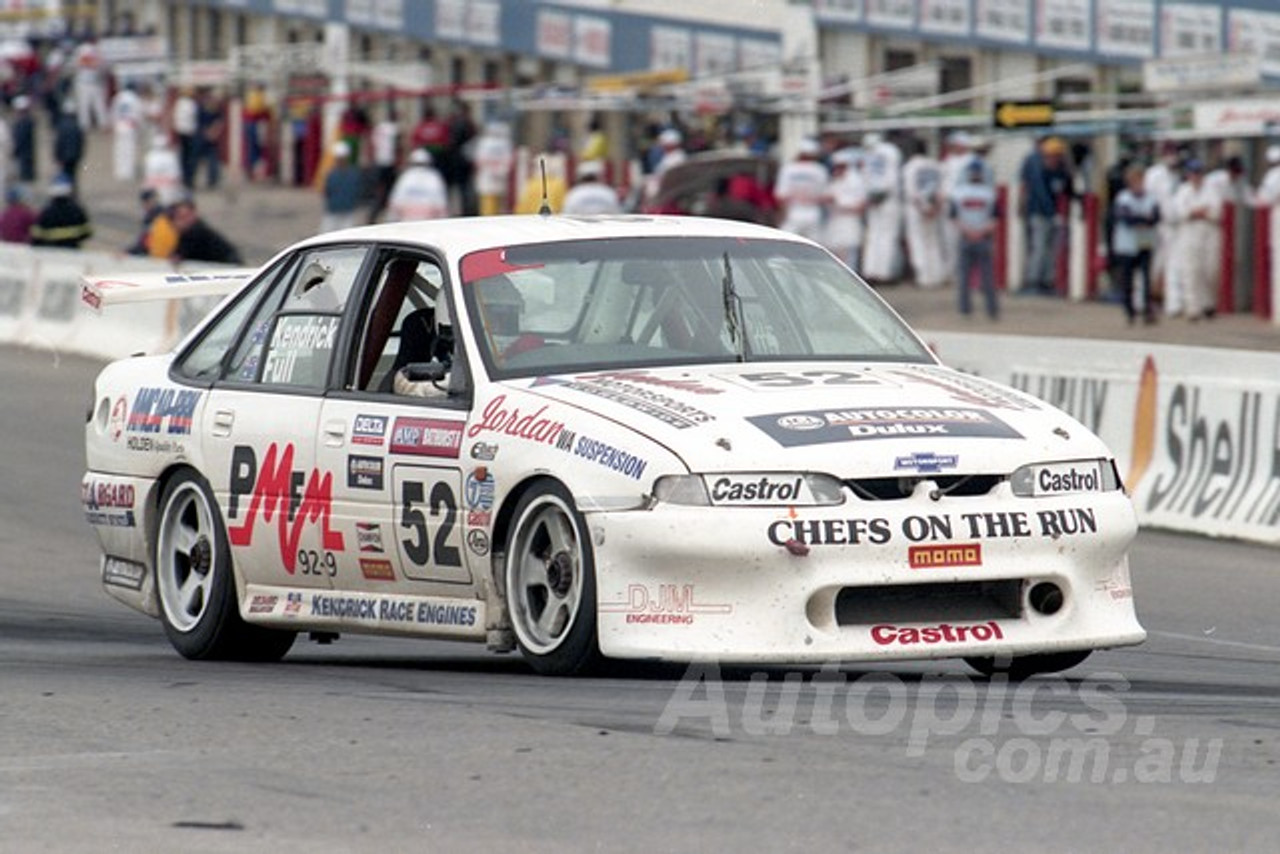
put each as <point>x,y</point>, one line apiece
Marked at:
<point>1070,477</point>
<point>754,489</point>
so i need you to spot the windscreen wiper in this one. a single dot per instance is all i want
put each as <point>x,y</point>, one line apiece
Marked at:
<point>733,312</point>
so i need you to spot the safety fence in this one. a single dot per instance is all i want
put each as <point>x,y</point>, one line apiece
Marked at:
<point>1194,429</point>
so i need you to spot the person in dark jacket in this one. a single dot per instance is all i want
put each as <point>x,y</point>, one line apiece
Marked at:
<point>17,217</point>
<point>197,240</point>
<point>62,222</point>
<point>68,143</point>
<point>24,139</point>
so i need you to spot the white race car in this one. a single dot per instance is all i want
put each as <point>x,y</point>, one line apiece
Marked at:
<point>627,438</point>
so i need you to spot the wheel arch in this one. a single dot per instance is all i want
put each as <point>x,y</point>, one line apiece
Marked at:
<point>502,521</point>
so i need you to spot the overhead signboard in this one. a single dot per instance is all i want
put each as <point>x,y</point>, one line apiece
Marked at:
<point>1239,117</point>
<point>1023,114</point>
<point>1204,72</point>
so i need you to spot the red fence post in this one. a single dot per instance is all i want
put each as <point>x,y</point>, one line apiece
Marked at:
<point>1091,267</point>
<point>1062,259</point>
<point>1227,270</point>
<point>1263,258</point>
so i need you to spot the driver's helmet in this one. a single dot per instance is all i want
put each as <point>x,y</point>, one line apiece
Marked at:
<point>501,306</point>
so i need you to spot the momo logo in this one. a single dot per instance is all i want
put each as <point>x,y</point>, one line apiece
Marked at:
<point>291,498</point>
<point>955,554</point>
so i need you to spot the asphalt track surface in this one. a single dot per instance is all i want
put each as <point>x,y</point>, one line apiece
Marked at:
<point>109,741</point>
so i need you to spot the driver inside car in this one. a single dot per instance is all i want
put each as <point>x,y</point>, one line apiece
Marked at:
<point>501,308</point>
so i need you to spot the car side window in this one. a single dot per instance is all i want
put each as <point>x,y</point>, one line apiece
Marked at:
<point>407,321</point>
<point>289,340</point>
<point>203,361</point>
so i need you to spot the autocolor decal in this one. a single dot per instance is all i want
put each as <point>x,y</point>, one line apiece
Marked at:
<point>364,472</point>
<point>818,427</point>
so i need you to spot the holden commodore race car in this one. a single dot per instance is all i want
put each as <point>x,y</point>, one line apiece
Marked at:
<point>654,438</point>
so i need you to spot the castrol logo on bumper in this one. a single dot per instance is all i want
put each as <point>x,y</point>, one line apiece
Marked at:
<point>759,490</point>
<point>887,635</point>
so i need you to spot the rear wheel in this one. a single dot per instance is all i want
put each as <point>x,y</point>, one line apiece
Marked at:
<point>1022,666</point>
<point>550,583</point>
<point>194,580</point>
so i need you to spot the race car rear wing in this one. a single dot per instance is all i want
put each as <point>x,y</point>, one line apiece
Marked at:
<point>97,292</point>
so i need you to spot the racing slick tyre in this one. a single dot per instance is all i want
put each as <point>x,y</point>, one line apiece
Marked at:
<point>1020,667</point>
<point>194,580</point>
<point>550,583</point>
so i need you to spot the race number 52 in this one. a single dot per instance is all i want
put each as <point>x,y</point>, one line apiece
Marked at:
<point>428,535</point>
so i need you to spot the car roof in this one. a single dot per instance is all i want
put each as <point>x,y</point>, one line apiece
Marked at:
<point>461,235</point>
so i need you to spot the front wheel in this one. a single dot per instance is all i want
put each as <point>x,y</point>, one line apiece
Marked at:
<point>550,583</point>
<point>194,580</point>
<point>1019,667</point>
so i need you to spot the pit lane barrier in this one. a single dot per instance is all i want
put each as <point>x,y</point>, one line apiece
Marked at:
<point>1195,430</point>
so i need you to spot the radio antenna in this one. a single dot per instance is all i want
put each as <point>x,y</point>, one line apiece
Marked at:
<point>545,208</point>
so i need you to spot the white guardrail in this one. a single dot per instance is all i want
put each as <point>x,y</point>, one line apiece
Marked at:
<point>41,307</point>
<point>1196,430</point>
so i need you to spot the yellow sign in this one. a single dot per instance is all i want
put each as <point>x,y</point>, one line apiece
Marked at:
<point>638,80</point>
<point>1015,114</point>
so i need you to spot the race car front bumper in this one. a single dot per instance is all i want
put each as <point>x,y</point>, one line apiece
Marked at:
<point>916,578</point>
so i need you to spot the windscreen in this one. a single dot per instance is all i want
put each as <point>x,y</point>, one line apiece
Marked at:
<point>646,302</point>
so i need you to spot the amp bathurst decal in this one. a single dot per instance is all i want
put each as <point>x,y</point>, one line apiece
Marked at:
<point>818,427</point>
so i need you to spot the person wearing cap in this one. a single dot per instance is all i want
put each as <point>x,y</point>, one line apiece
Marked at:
<point>975,208</point>
<point>1197,252</point>
<point>17,217</point>
<point>23,130</point>
<point>800,189</point>
<point>62,222</point>
<point>846,206</point>
<point>591,196</point>
<point>1268,196</point>
<point>922,182</point>
<point>419,192</point>
<point>343,186</point>
<point>1044,194</point>
<point>882,168</point>
<point>1133,237</point>
<point>1160,182</point>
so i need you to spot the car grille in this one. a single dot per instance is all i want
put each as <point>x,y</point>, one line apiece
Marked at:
<point>893,488</point>
<point>965,601</point>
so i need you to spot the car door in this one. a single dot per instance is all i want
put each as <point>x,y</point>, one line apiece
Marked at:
<point>260,424</point>
<point>400,487</point>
